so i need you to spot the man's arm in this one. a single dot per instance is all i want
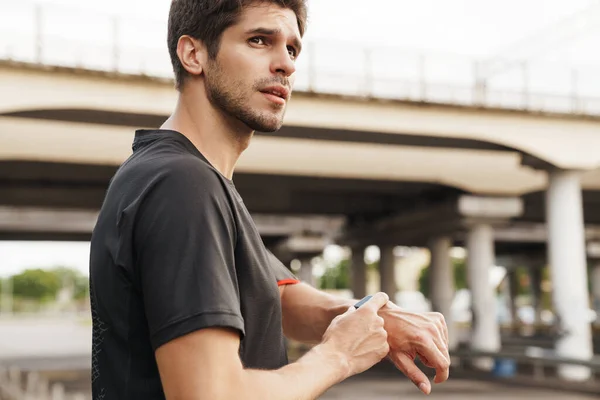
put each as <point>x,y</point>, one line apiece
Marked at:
<point>205,364</point>
<point>307,312</point>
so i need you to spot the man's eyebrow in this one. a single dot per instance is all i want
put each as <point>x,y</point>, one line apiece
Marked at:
<point>274,32</point>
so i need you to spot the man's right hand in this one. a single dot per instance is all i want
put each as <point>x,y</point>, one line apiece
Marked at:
<point>358,336</point>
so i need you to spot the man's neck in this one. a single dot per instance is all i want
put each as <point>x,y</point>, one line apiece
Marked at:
<point>215,135</point>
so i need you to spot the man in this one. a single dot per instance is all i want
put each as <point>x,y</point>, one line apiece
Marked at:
<point>186,301</point>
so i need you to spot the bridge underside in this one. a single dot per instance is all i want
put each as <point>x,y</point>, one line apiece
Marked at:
<point>275,200</point>
<point>341,179</point>
<point>61,186</point>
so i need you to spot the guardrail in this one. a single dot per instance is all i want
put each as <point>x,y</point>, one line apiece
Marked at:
<point>18,385</point>
<point>538,358</point>
<point>23,384</point>
<point>44,34</point>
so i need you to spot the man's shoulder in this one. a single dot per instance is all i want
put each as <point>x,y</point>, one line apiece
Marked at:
<point>171,169</point>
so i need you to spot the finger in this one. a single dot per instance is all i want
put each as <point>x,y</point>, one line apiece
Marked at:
<point>408,367</point>
<point>436,330</point>
<point>376,302</point>
<point>441,341</point>
<point>444,327</point>
<point>437,360</point>
<point>444,348</point>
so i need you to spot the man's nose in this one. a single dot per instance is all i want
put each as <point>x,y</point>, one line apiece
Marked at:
<point>283,63</point>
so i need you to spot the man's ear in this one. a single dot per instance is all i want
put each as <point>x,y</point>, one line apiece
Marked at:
<point>193,54</point>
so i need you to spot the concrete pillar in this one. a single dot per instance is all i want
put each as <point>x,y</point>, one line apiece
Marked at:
<point>306,272</point>
<point>512,280</point>
<point>567,258</point>
<point>387,271</point>
<point>441,284</point>
<point>505,301</point>
<point>358,272</point>
<point>535,280</point>
<point>595,278</point>
<point>485,333</point>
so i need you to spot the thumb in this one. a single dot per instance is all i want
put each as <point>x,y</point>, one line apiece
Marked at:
<point>350,310</point>
<point>377,301</point>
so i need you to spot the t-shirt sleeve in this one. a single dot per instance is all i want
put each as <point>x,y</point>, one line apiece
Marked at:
<point>184,240</point>
<point>283,275</point>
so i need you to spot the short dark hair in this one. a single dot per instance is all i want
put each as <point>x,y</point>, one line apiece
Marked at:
<point>206,20</point>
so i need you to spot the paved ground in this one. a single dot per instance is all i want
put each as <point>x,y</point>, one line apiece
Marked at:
<point>388,388</point>
<point>44,337</point>
<point>64,344</point>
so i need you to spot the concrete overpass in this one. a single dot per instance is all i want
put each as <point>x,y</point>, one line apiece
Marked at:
<point>389,147</point>
<point>362,159</point>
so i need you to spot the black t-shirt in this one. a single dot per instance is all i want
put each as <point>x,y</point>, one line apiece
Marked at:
<point>175,250</point>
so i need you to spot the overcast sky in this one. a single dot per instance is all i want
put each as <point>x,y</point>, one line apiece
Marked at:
<point>476,27</point>
<point>469,27</point>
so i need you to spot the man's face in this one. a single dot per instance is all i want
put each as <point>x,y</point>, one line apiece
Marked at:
<point>252,76</point>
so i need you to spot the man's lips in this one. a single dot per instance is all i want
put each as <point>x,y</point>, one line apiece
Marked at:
<point>277,91</point>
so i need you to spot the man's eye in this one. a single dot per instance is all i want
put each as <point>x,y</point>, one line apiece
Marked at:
<point>258,40</point>
<point>292,52</point>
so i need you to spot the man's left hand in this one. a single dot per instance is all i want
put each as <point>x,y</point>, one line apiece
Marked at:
<point>417,334</point>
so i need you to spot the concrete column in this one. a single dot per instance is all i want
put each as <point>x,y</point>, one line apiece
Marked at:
<point>506,301</point>
<point>513,290</point>
<point>306,272</point>
<point>485,333</point>
<point>596,291</point>
<point>535,280</point>
<point>387,271</point>
<point>441,284</point>
<point>567,257</point>
<point>358,272</point>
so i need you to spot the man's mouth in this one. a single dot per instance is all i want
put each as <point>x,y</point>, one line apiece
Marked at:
<point>276,92</point>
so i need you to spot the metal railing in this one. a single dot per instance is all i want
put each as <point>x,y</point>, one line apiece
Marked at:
<point>539,359</point>
<point>62,36</point>
<point>28,385</point>
<point>534,369</point>
<point>17,384</point>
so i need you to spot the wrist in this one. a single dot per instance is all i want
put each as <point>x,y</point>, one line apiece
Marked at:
<point>389,313</point>
<point>335,359</point>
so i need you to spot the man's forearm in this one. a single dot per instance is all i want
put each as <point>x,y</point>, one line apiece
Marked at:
<point>307,312</point>
<point>306,379</point>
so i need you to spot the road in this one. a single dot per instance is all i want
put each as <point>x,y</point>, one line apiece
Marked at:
<point>389,387</point>
<point>59,344</point>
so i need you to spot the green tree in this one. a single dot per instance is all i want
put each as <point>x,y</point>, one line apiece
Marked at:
<point>460,276</point>
<point>81,287</point>
<point>71,277</point>
<point>37,284</point>
<point>336,277</point>
<point>66,276</point>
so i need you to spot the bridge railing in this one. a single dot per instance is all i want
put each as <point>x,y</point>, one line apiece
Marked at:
<point>17,384</point>
<point>67,36</point>
<point>538,359</point>
<point>28,385</point>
